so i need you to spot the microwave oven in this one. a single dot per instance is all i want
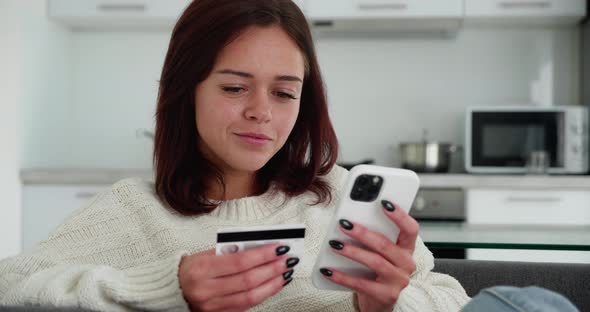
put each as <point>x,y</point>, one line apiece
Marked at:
<point>500,139</point>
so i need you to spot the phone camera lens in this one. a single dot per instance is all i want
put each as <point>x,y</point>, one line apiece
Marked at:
<point>366,188</point>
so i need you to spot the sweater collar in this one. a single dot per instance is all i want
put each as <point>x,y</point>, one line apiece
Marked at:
<point>251,207</point>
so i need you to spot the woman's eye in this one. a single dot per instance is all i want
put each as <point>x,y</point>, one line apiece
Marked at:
<point>233,90</point>
<point>285,95</point>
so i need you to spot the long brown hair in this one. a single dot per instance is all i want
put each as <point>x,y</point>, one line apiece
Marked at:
<point>203,30</point>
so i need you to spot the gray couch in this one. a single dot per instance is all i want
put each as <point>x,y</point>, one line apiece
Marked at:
<point>570,280</point>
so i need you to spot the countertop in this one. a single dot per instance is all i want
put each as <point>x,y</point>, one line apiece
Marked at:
<point>81,176</point>
<point>504,181</point>
<point>501,236</point>
<point>110,176</point>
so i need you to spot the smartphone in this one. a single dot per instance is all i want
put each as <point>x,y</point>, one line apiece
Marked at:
<point>367,185</point>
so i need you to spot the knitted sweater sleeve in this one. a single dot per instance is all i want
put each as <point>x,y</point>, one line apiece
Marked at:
<point>430,291</point>
<point>85,263</point>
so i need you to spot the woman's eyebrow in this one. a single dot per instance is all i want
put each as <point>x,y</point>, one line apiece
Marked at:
<point>288,78</point>
<point>235,72</point>
<point>248,75</point>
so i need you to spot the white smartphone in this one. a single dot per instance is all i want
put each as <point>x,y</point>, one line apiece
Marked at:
<point>367,185</point>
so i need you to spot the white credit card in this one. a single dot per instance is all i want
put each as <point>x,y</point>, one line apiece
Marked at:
<point>236,239</point>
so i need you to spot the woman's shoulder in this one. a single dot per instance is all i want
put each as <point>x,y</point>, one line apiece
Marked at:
<point>121,200</point>
<point>127,192</point>
<point>131,188</point>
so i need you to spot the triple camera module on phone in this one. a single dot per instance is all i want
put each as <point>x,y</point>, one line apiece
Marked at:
<point>366,188</point>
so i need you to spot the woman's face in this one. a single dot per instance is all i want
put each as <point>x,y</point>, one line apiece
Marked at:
<point>248,105</point>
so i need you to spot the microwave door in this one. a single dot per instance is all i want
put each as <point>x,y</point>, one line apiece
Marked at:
<point>504,140</point>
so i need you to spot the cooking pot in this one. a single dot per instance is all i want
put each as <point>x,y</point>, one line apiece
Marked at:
<point>427,156</point>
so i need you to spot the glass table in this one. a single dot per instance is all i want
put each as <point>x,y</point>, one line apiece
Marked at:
<point>442,235</point>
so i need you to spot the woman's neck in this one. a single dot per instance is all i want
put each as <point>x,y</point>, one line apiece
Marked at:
<point>237,185</point>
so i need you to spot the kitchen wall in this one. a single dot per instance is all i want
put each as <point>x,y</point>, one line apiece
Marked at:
<point>35,105</point>
<point>585,68</point>
<point>46,103</point>
<point>9,158</point>
<point>382,90</point>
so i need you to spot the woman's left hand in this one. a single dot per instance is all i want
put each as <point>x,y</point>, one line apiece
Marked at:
<point>391,261</point>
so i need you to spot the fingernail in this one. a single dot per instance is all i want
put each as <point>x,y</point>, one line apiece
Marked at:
<point>326,272</point>
<point>346,224</point>
<point>336,244</point>
<point>287,282</point>
<point>388,205</point>
<point>291,262</point>
<point>281,250</point>
<point>288,274</point>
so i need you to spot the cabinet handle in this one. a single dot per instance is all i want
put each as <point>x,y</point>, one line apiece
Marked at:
<point>521,199</point>
<point>121,7</point>
<point>85,195</point>
<point>508,5</point>
<point>373,6</point>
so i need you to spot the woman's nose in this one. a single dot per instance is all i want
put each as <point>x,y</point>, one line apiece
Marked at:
<point>259,108</point>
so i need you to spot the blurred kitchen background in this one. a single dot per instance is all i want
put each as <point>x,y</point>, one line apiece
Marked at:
<point>78,87</point>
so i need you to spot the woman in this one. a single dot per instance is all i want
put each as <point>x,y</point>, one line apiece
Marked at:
<point>242,138</point>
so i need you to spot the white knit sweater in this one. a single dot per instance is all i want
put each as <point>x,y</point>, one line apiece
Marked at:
<point>122,252</point>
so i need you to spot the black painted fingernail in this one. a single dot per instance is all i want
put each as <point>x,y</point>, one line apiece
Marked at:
<point>388,205</point>
<point>346,224</point>
<point>287,282</point>
<point>336,244</point>
<point>288,274</point>
<point>326,272</point>
<point>291,262</point>
<point>281,250</point>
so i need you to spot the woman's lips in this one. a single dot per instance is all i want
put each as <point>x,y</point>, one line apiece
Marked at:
<point>257,139</point>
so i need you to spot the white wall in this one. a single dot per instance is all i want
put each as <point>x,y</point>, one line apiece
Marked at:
<point>9,158</point>
<point>115,84</point>
<point>382,91</point>
<point>46,99</point>
<point>35,104</point>
<point>585,68</point>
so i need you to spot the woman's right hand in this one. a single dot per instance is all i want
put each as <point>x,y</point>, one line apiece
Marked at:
<point>234,282</point>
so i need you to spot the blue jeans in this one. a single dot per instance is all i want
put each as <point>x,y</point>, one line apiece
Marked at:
<point>515,299</point>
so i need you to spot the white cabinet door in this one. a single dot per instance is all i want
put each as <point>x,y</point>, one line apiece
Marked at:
<point>524,8</point>
<point>117,12</point>
<point>45,207</point>
<point>359,9</point>
<point>557,256</point>
<point>530,206</point>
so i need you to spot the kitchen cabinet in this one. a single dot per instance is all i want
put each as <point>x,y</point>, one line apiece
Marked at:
<point>374,14</point>
<point>532,218</point>
<point>116,13</point>
<point>354,9</point>
<point>45,207</point>
<point>120,13</point>
<point>528,206</point>
<point>553,11</point>
<point>440,17</point>
<point>524,255</point>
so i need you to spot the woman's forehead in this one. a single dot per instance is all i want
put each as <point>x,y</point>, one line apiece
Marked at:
<point>262,51</point>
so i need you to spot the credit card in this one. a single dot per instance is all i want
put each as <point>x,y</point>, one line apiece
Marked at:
<point>236,239</point>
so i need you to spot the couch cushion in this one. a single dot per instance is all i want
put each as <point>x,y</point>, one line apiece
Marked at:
<point>568,279</point>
